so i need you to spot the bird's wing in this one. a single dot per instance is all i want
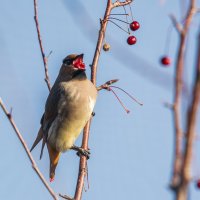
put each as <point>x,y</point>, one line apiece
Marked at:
<point>51,107</point>
<point>51,111</point>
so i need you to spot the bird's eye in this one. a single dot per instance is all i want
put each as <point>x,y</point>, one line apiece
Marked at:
<point>68,61</point>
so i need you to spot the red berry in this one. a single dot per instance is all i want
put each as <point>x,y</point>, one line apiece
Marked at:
<point>134,26</point>
<point>198,184</point>
<point>131,40</point>
<point>165,60</point>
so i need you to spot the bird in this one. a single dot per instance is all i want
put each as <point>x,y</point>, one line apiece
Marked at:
<point>68,108</point>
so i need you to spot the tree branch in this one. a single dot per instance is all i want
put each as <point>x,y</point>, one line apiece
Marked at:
<point>177,25</point>
<point>107,84</point>
<point>118,3</point>
<point>34,165</point>
<point>83,160</point>
<point>190,134</point>
<point>45,59</point>
<point>176,179</point>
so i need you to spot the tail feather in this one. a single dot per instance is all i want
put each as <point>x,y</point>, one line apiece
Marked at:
<point>38,138</point>
<point>54,158</point>
<point>43,144</point>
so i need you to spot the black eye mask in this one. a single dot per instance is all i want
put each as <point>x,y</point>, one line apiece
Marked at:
<point>68,61</point>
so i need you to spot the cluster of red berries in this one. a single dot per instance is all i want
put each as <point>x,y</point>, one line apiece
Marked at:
<point>134,26</point>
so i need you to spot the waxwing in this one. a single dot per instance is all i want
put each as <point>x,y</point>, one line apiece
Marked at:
<point>68,108</point>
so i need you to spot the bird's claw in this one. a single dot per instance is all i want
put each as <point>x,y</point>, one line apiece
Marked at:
<point>84,152</point>
<point>81,151</point>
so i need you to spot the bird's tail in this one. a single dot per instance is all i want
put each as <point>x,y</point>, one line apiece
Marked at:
<point>39,137</point>
<point>54,158</point>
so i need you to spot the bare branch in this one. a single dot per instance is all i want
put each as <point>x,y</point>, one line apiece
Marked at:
<point>34,165</point>
<point>83,159</point>
<point>45,59</point>
<point>65,197</point>
<point>107,84</point>
<point>190,134</point>
<point>178,83</point>
<point>176,24</point>
<point>124,3</point>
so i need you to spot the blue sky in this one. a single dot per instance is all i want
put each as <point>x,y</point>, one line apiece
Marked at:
<point>131,154</point>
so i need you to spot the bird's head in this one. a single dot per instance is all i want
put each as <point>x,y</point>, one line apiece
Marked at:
<point>74,62</point>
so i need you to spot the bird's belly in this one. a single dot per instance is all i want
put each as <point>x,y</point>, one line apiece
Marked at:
<point>67,126</point>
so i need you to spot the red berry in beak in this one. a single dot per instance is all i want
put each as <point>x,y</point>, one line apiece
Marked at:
<point>165,60</point>
<point>78,62</point>
<point>134,26</point>
<point>131,40</point>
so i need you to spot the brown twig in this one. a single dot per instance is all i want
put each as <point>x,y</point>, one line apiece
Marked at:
<point>190,134</point>
<point>83,159</point>
<point>45,59</point>
<point>177,97</point>
<point>107,84</point>
<point>181,190</point>
<point>65,197</point>
<point>34,165</point>
<point>118,3</point>
<point>175,23</point>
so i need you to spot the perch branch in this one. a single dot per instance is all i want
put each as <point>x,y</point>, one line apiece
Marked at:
<point>34,165</point>
<point>83,159</point>
<point>45,59</point>
<point>177,98</point>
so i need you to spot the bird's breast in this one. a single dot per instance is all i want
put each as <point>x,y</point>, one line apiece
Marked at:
<point>75,107</point>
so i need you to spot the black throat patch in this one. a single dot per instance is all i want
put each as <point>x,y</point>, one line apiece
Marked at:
<point>79,75</point>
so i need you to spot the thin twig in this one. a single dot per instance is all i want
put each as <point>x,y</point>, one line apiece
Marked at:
<point>45,59</point>
<point>65,197</point>
<point>107,84</point>
<point>34,165</point>
<point>124,3</point>
<point>177,25</point>
<point>83,160</point>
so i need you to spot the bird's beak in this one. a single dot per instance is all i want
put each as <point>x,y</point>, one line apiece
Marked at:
<point>78,62</point>
<point>80,56</point>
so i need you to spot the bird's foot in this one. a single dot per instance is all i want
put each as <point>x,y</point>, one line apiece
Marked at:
<point>81,151</point>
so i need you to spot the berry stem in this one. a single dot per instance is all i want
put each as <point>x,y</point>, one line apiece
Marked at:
<point>110,89</point>
<point>118,26</point>
<point>118,20</point>
<point>168,39</point>
<point>119,14</point>
<point>126,20</point>
<point>134,99</point>
<point>131,11</point>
